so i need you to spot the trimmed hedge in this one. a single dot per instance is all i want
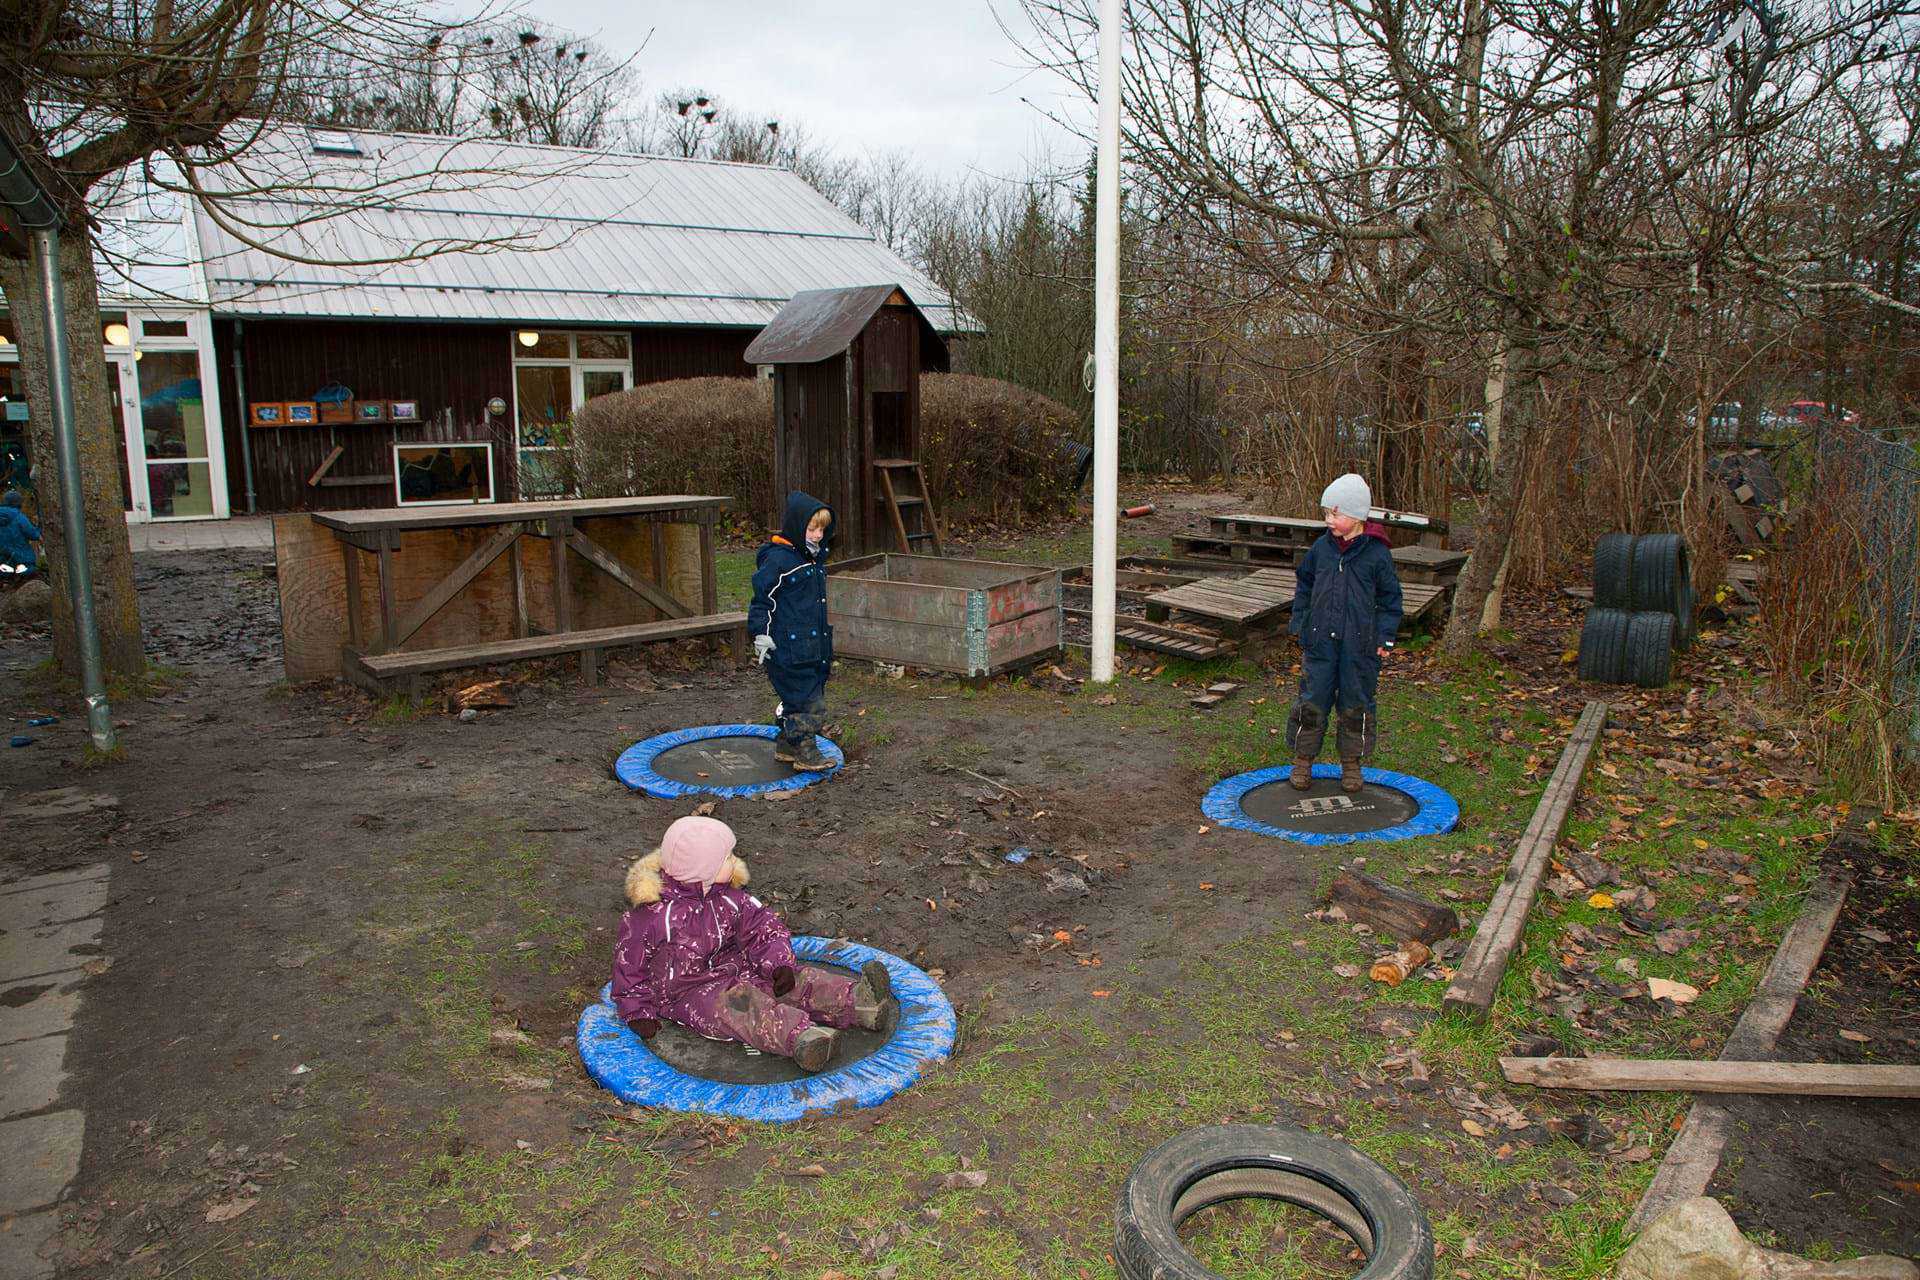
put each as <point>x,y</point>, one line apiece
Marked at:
<point>994,452</point>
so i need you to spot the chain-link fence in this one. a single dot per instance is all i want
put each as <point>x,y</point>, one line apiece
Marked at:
<point>1882,478</point>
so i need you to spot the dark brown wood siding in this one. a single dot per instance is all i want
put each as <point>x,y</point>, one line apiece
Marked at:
<point>661,355</point>
<point>451,369</point>
<point>811,454</point>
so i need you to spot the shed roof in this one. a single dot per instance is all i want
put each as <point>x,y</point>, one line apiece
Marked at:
<point>820,323</point>
<point>482,229</point>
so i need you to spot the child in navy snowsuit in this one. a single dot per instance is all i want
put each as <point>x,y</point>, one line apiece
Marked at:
<point>788,622</point>
<point>1346,612</point>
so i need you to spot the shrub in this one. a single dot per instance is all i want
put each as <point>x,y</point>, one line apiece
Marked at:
<point>993,451</point>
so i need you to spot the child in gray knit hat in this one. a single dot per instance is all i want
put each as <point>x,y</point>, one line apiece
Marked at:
<point>1346,612</point>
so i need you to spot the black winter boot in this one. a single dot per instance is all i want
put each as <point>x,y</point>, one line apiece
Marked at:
<point>793,740</point>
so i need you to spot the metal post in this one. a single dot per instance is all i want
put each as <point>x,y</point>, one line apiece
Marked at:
<point>1106,344</point>
<point>73,510</point>
<point>246,422</point>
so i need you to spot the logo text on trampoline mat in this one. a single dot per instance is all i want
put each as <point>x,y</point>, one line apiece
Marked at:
<point>1328,806</point>
<point>724,761</point>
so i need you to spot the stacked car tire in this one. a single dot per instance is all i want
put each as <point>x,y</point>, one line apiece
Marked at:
<point>1643,609</point>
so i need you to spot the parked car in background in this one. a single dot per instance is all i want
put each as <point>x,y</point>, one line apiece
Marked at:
<point>1811,411</point>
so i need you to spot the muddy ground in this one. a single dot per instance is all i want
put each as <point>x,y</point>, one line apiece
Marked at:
<point>272,846</point>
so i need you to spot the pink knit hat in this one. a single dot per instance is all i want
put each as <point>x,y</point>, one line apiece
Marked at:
<point>695,850</point>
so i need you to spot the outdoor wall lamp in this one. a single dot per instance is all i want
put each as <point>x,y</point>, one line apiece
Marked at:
<point>529,338</point>
<point>117,335</point>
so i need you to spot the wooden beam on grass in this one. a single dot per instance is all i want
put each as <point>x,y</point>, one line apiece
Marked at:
<point>1390,910</point>
<point>1498,937</point>
<point>1695,1154</point>
<point>1803,1079</point>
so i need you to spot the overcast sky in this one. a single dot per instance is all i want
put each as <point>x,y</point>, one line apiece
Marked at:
<point>938,78</point>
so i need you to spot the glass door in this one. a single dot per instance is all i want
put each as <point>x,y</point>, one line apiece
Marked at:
<point>171,457</point>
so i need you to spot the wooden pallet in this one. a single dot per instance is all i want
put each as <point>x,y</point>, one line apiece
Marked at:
<point>1235,606</point>
<point>1287,529</point>
<point>1246,551</point>
<point>1197,645</point>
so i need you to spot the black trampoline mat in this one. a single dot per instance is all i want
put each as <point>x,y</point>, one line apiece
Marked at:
<point>731,1062</point>
<point>734,761</point>
<point>1324,809</point>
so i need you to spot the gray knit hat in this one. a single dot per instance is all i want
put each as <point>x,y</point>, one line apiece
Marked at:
<point>1349,496</point>
<point>11,498</point>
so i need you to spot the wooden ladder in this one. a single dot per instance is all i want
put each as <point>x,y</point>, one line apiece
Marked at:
<point>912,499</point>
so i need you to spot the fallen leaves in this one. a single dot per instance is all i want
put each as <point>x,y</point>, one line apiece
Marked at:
<point>228,1210</point>
<point>1601,902</point>
<point>1857,1037</point>
<point>1675,992</point>
<point>964,1180</point>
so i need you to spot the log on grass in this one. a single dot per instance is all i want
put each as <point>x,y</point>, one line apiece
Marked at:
<point>1392,911</point>
<point>1498,937</point>
<point>1803,1079</point>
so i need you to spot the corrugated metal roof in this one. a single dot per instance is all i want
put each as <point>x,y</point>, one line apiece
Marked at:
<point>143,250</point>
<point>479,229</point>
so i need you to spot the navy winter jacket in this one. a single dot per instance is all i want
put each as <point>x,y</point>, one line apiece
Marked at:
<point>790,595</point>
<point>1346,597</point>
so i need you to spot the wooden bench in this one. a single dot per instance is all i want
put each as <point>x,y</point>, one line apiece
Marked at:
<point>377,671</point>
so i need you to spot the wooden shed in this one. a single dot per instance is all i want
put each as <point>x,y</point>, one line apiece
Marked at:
<point>846,409</point>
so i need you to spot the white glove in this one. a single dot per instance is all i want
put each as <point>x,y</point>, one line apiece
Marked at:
<point>762,646</point>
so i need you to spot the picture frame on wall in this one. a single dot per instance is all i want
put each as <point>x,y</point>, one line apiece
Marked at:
<point>302,413</point>
<point>268,413</point>
<point>370,411</point>
<point>403,410</point>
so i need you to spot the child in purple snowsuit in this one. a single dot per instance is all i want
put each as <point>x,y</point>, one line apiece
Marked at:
<point>697,949</point>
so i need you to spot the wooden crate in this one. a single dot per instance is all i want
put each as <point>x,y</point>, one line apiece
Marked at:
<point>969,617</point>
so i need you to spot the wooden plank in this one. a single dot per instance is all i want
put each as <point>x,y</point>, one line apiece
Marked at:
<point>522,626</point>
<point>454,583</point>
<point>453,657</point>
<point>389,608</point>
<point>709,575</point>
<point>356,621</point>
<point>1691,1160</point>
<point>1017,639</point>
<point>617,569</point>
<point>858,596</point>
<point>404,518</point>
<point>1802,1079</point>
<point>559,528</point>
<point>326,465</point>
<point>310,569</point>
<point>939,648</point>
<point>1478,976</point>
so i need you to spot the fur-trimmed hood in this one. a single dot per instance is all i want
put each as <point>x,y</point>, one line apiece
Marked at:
<point>647,883</point>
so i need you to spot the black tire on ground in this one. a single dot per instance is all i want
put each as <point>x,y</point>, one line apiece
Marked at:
<point>1603,646</point>
<point>1660,565</point>
<point>1650,649</point>
<point>1079,463</point>
<point>1204,1167</point>
<point>1686,625</point>
<point>1613,571</point>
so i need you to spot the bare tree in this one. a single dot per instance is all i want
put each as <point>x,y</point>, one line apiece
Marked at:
<point>1530,156</point>
<point>183,96</point>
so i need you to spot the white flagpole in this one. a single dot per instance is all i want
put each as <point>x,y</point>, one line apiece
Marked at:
<point>1106,344</point>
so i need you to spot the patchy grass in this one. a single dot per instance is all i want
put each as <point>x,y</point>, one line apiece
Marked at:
<point>1056,1103</point>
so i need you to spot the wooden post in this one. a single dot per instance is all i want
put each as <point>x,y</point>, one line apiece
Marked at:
<point>389,611</point>
<point>522,628</point>
<point>559,528</point>
<point>1498,937</point>
<point>709,575</point>
<point>1657,1075</point>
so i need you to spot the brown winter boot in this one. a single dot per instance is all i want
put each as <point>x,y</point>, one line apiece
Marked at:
<point>874,1008</point>
<point>1302,776</point>
<point>1350,776</point>
<point>813,1048</point>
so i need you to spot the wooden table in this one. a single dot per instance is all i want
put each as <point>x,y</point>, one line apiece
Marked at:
<point>403,592</point>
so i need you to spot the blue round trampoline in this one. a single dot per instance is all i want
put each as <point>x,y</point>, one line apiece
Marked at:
<point>627,1066</point>
<point>1388,806</point>
<point>730,760</point>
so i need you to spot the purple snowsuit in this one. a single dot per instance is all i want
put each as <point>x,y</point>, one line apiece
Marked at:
<point>705,958</point>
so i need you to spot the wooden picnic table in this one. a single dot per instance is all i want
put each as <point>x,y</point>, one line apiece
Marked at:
<point>402,592</point>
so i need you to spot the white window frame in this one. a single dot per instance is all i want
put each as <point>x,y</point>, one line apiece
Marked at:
<point>577,368</point>
<point>400,499</point>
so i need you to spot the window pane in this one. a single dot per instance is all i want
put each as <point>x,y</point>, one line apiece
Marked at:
<point>545,345</point>
<point>180,488</point>
<point>603,346</point>
<point>595,383</point>
<point>164,328</point>
<point>172,415</point>
<point>546,401</point>
<point>540,475</point>
<point>444,473</point>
